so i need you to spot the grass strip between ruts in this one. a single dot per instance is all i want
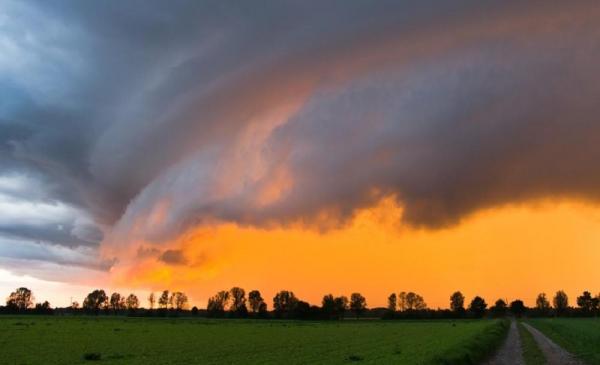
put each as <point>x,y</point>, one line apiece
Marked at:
<point>532,355</point>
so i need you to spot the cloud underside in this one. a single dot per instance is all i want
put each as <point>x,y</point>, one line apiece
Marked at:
<point>138,121</point>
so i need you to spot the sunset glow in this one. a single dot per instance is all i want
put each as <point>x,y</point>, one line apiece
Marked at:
<point>507,252</point>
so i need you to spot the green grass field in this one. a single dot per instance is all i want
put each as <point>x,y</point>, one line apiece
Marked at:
<point>66,340</point>
<point>579,336</point>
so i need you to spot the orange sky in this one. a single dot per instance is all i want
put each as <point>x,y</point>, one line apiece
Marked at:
<point>510,252</point>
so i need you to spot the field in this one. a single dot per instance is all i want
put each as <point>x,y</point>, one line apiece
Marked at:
<point>579,336</point>
<point>115,340</point>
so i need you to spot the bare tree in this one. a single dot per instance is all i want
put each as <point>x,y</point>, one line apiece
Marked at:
<point>151,300</point>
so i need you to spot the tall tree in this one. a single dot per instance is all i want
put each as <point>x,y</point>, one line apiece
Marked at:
<point>255,300</point>
<point>117,302</point>
<point>414,301</point>
<point>457,302</point>
<point>132,302</point>
<point>328,306</point>
<point>238,301</point>
<point>478,306</point>
<point>392,300</point>
<point>178,300</point>
<point>21,299</point>
<point>284,303</point>
<point>561,302</point>
<point>341,306</point>
<point>402,301</point>
<point>151,300</point>
<point>218,303</point>
<point>262,308</point>
<point>358,304</point>
<point>163,301</point>
<point>517,307</point>
<point>499,308</point>
<point>542,304</point>
<point>587,303</point>
<point>96,300</point>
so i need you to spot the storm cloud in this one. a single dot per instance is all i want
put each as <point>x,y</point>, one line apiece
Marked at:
<point>143,119</point>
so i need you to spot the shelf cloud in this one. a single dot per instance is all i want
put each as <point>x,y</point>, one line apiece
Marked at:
<point>125,122</point>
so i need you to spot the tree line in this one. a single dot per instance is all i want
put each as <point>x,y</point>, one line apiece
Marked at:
<point>412,306</point>
<point>234,303</point>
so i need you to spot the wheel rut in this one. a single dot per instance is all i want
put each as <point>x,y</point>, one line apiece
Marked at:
<point>511,352</point>
<point>555,355</point>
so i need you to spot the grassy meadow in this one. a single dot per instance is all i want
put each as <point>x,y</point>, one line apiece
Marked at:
<point>123,340</point>
<point>579,336</point>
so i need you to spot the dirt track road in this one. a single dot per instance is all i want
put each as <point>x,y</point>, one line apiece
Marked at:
<point>555,355</point>
<point>510,353</point>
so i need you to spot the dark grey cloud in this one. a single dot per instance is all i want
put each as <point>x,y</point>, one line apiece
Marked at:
<point>450,120</point>
<point>39,252</point>
<point>146,252</point>
<point>507,125</point>
<point>173,257</point>
<point>139,119</point>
